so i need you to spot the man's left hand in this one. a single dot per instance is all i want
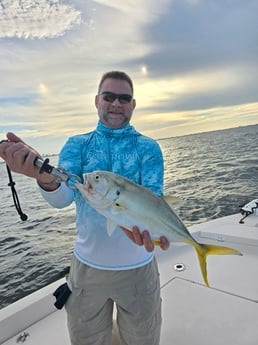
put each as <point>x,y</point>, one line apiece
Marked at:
<point>144,239</point>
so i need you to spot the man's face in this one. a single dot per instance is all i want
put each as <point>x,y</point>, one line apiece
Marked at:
<point>115,113</point>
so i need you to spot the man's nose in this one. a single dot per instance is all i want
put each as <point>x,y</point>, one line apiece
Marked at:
<point>116,102</point>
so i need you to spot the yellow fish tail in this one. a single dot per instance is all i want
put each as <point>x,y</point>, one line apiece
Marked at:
<point>203,250</point>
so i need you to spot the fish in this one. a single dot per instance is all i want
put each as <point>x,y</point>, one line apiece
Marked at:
<point>126,204</point>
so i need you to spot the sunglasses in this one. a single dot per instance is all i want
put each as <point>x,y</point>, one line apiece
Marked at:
<point>111,97</point>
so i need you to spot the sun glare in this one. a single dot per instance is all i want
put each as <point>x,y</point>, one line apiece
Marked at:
<point>144,70</point>
<point>43,88</point>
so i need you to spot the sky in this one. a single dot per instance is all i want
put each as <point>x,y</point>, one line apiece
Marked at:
<point>194,64</point>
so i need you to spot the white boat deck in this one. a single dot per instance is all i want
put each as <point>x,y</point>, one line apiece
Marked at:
<point>225,313</point>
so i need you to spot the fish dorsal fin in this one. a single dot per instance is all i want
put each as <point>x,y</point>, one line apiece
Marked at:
<point>172,201</point>
<point>111,225</point>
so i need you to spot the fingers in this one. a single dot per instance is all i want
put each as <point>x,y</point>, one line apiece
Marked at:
<point>5,145</point>
<point>13,137</point>
<point>138,238</point>
<point>164,243</point>
<point>134,235</point>
<point>147,241</point>
<point>128,233</point>
<point>19,156</point>
<point>143,239</point>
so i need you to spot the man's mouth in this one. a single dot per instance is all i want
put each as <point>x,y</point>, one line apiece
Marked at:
<point>115,112</point>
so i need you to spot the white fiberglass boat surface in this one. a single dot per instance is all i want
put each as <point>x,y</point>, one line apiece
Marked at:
<point>225,313</point>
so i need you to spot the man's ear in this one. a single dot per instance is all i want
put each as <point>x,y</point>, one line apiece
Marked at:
<point>96,101</point>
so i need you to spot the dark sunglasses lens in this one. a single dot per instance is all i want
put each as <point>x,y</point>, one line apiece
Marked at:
<point>111,97</point>
<point>124,98</point>
<point>108,97</point>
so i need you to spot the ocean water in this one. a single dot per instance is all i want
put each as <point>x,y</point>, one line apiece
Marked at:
<point>211,173</point>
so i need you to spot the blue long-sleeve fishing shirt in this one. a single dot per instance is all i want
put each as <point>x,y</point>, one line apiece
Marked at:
<point>123,151</point>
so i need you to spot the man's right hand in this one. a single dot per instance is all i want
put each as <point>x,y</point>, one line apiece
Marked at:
<point>20,158</point>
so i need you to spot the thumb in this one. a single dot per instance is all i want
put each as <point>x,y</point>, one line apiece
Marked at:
<point>12,137</point>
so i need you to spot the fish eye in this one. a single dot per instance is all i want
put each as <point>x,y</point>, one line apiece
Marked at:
<point>97,177</point>
<point>118,192</point>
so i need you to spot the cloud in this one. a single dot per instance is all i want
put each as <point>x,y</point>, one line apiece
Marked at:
<point>207,88</point>
<point>36,19</point>
<point>202,34</point>
<point>178,123</point>
<point>193,62</point>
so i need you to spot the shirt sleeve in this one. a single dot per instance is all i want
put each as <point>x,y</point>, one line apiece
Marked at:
<point>61,197</point>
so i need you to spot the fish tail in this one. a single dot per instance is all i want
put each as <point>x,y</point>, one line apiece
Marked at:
<point>203,250</point>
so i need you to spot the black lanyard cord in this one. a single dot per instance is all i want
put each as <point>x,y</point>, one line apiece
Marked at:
<point>16,201</point>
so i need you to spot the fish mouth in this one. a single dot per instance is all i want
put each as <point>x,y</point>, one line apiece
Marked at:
<point>88,186</point>
<point>90,189</point>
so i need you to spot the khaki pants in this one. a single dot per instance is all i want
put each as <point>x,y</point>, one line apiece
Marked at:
<point>89,308</point>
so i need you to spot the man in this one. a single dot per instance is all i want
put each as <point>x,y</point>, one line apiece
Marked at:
<point>105,269</point>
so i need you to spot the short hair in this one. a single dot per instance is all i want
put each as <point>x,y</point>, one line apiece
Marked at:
<point>115,75</point>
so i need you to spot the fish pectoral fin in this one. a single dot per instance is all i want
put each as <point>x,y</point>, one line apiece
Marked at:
<point>116,208</point>
<point>111,225</point>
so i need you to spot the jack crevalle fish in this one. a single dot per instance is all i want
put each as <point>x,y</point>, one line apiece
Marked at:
<point>128,204</point>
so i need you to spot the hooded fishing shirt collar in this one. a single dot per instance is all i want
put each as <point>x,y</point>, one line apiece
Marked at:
<point>127,130</point>
<point>119,150</point>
